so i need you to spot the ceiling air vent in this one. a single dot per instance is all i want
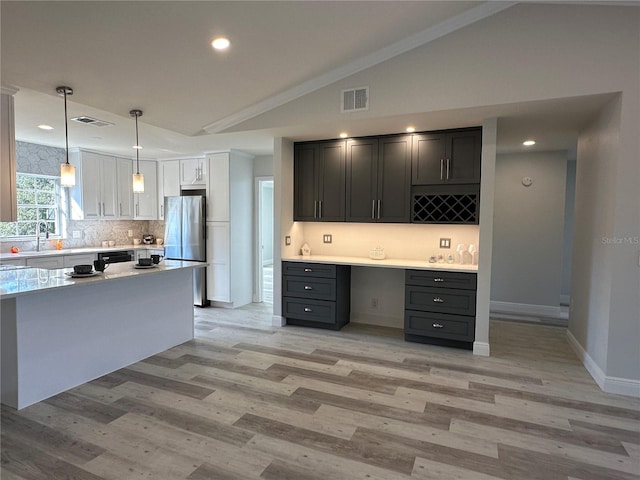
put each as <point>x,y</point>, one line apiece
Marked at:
<point>91,121</point>
<point>355,99</point>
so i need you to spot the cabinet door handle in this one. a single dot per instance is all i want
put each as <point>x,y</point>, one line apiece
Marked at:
<point>438,300</point>
<point>120,209</point>
<point>437,325</point>
<point>308,270</point>
<point>307,309</point>
<point>315,209</point>
<point>104,210</point>
<point>308,287</point>
<point>378,209</point>
<point>438,279</point>
<point>373,209</point>
<point>162,210</point>
<point>441,168</point>
<point>99,209</point>
<point>448,167</point>
<point>320,209</point>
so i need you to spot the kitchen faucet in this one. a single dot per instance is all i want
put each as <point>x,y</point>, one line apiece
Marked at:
<point>46,234</point>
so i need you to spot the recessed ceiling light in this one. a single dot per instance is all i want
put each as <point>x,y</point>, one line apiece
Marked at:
<point>344,135</point>
<point>528,143</point>
<point>411,129</point>
<point>137,147</point>
<point>45,127</point>
<point>220,43</point>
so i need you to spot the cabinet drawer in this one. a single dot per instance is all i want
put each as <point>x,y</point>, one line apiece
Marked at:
<point>309,269</point>
<point>429,278</point>
<point>320,288</point>
<point>452,327</point>
<point>441,300</point>
<point>318,311</point>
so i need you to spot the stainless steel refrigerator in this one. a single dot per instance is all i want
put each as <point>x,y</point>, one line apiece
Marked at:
<point>185,238</point>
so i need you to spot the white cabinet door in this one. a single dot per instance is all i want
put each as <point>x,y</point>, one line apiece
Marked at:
<point>125,188</point>
<point>109,188</point>
<point>218,194</point>
<point>146,206</point>
<point>218,273</point>
<point>169,182</point>
<point>50,263</point>
<point>79,259</point>
<point>90,202</point>
<point>193,172</point>
<point>8,167</point>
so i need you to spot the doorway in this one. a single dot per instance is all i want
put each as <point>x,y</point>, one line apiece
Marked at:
<point>264,240</point>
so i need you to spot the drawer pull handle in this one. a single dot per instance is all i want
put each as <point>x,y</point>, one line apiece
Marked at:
<point>437,325</point>
<point>438,300</point>
<point>307,309</point>
<point>308,287</point>
<point>438,279</point>
<point>308,270</point>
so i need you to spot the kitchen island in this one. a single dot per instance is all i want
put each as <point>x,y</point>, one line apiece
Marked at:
<point>58,332</point>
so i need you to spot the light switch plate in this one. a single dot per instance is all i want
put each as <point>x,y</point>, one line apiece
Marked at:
<point>327,238</point>
<point>445,243</point>
<point>287,240</point>
<point>76,234</point>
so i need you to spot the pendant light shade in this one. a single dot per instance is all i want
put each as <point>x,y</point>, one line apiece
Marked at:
<point>138,178</point>
<point>67,171</point>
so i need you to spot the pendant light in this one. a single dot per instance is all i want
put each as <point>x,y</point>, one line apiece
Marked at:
<point>138,178</point>
<point>67,171</point>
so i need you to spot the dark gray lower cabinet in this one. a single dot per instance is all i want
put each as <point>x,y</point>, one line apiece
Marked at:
<point>437,313</point>
<point>316,295</point>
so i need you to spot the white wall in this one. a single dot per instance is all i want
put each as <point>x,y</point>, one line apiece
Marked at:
<point>266,222</point>
<point>263,166</point>
<point>567,241</point>
<point>528,229</point>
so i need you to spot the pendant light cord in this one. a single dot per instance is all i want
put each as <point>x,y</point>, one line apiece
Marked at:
<point>137,148</point>
<point>66,125</point>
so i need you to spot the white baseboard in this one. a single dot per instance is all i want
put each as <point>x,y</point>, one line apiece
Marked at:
<point>526,310</point>
<point>481,348</point>
<point>278,321</point>
<point>620,386</point>
<point>378,320</point>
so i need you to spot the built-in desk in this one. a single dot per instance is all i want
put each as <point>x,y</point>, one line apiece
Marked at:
<point>439,306</point>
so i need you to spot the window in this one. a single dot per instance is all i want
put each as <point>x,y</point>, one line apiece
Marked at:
<point>38,199</point>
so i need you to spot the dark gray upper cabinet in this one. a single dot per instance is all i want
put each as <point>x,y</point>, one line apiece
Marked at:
<point>379,179</point>
<point>319,181</point>
<point>451,157</point>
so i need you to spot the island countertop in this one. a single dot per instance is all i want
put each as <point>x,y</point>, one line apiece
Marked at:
<point>25,280</point>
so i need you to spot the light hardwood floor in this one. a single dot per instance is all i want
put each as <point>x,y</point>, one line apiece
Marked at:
<point>248,401</point>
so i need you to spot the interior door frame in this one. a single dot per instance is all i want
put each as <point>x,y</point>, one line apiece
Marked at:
<point>257,195</point>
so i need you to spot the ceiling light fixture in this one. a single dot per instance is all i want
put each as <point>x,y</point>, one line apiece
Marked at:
<point>528,143</point>
<point>67,171</point>
<point>411,129</point>
<point>344,135</point>
<point>138,178</point>
<point>220,43</point>
<point>45,127</point>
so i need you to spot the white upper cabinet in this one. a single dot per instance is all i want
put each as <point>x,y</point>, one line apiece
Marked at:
<point>193,172</point>
<point>95,195</point>
<point>218,187</point>
<point>104,189</point>
<point>146,203</point>
<point>124,171</point>
<point>168,182</point>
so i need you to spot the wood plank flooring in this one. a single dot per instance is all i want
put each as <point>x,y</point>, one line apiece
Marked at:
<point>248,401</point>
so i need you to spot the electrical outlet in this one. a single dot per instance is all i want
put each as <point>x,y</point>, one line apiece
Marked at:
<point>287,240</point>
<point>374,302</point>
<point>445,243</point>
<point>130,233</point>
<point>76,234</point>
<point>327,238</point>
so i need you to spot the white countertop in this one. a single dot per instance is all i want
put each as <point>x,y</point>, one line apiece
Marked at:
<point>24,280</point>
<point>74,251</point>
<point>386,263</point>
